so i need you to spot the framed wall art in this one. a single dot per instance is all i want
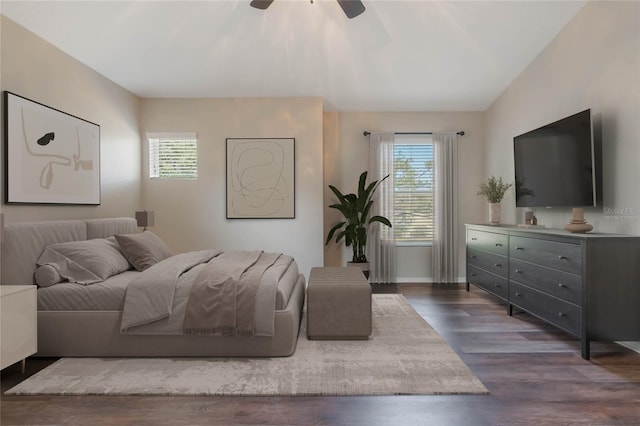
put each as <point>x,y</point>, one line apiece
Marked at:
<point>51,157</point>
<point>260,178</point>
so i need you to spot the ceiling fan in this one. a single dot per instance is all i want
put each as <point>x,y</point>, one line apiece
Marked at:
<point>351,8</point>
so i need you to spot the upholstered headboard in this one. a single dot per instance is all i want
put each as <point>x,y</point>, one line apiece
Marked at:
<point>25,242</point>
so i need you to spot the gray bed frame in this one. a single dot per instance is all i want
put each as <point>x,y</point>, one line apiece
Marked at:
<point>97,333</point>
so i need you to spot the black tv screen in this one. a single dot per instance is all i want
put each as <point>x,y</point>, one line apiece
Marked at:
<point>555,164</point>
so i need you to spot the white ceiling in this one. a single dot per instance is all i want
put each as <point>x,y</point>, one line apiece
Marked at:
<point>397,56</point>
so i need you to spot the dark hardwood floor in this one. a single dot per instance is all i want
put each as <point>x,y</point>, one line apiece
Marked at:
<point>534,374</point>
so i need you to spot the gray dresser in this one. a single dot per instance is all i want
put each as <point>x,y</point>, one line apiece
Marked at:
<point>585,284</point>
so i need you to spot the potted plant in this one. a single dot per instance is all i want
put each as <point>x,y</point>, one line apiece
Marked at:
<point>493,191</point>
<point>355,209</point>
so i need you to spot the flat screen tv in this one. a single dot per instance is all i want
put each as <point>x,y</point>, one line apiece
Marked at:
<point>555,165</point>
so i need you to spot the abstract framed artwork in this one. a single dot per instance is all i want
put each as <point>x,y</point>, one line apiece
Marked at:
<point>51,157</point>
<point>260,178</point>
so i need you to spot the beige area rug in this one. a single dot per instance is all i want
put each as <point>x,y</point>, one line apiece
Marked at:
<point>405,356</point>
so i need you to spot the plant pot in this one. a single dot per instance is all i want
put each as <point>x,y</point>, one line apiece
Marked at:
<point>494,213</point>
<point>362,265</point>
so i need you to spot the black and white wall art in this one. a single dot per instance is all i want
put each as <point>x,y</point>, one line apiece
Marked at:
<point>51,157</point>
<point>260,178</point>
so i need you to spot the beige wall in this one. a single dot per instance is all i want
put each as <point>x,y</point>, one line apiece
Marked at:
<point>346,155</point>
<point>191,215</point>
<point>594,63</point>
<point>39,71</point>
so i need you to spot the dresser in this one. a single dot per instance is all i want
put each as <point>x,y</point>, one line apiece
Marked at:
<point>585,284</point>
<point>18,323</point>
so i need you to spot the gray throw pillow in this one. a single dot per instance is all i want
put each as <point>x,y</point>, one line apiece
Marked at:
<point>47,275</point>
<point>85,262</point>
<point>143,250</point>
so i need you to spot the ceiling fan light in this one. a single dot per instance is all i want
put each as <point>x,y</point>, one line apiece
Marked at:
<point>351,8</point>
<point>261,4</point>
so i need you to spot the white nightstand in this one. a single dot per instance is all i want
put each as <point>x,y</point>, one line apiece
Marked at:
<point>18,323</point>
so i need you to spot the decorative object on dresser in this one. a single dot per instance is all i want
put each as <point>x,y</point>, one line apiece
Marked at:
<point>585,284</point>
<point>578,223</point>
<point>18,323</point>
<point>52,157</point>
<point>493,191</point>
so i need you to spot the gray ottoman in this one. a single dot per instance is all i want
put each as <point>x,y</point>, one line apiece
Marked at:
<point>338,304</point>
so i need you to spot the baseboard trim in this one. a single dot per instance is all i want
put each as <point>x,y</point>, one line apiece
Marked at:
<point>423,280</point>
<point>634,346</point>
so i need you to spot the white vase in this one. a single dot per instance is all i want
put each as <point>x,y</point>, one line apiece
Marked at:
<point>494,213</point>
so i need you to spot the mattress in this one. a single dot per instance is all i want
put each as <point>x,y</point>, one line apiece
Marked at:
<point>109,294</point>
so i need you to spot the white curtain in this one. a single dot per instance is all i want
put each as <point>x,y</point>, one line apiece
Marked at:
<point>445,213</point>
<point>381,245</point>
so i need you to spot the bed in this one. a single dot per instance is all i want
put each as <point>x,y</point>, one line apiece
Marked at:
<point>89,322</point>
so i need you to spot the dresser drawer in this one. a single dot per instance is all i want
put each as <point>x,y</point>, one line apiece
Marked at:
<point>558,312</point>
<point>491,262</point>
<point>552,254</point>
<point>488,241</point>
<point>563,285</point>
<point>494,284</point>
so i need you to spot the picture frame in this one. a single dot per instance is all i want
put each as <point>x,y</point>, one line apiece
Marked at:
<point>260,178</point>
<point>51,157</point>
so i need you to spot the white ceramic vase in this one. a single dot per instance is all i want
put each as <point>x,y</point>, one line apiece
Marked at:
<point>494,213</point>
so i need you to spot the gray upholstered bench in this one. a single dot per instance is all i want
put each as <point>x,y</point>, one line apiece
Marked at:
<point>338,304</point>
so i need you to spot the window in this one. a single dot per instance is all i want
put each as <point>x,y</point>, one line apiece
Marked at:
<point>173,155</point>
<point>413,192</point>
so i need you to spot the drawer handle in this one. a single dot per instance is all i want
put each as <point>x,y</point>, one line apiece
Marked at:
<point>497,286</point>
<point>519,248</point>
<point>517,294</point>
<point>561,285</point>
<point>518,271</point>
<point>562,314</point>
<point>498,245</point>
<point>473,238</point>
<point>497,265</point>
<point>473,256</point>
<point>474,274</point>
<point>561,257</point>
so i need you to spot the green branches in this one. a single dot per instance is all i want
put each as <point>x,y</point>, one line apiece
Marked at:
<point>355,209</point>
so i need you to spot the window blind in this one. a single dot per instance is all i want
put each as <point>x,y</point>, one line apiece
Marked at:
<point>413,191</point>
<point>173,155</point>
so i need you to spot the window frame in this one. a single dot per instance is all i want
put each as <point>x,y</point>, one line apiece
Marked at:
<point>414,139</point>
<point>154,162</point>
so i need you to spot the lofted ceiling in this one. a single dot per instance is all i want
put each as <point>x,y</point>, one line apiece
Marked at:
<point>397,56</point>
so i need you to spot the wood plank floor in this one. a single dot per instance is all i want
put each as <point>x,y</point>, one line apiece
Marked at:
<point>534,373</point>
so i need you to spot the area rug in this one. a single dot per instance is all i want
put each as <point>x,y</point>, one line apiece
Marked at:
<point>404,356</point>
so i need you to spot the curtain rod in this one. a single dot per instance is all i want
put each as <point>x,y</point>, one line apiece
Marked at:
<point>367,133</point>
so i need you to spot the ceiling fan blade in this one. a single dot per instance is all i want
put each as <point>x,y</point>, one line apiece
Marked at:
<point>261,4</point>
<point>352,8</point>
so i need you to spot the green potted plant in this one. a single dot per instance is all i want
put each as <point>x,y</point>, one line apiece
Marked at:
<point>355,209</point>
<point>493,191</point>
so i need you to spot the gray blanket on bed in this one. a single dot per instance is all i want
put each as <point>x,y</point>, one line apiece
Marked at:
<point>223,295</point>
<point>156,301</point>
<point>150,296</point>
